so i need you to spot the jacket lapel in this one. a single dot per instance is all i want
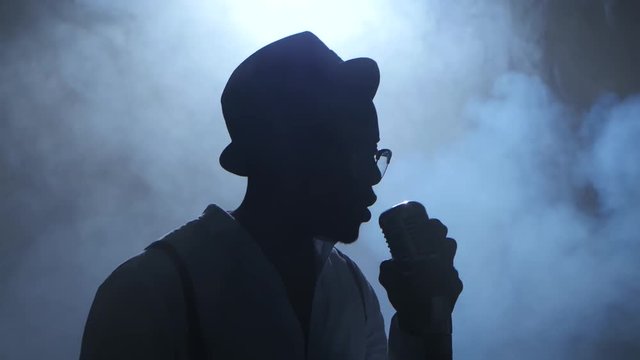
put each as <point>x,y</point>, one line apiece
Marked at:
<point>240,297</point>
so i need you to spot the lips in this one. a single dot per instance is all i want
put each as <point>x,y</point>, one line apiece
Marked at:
<point>366,215</point>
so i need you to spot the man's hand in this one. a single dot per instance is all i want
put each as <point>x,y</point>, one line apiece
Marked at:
<point>413,286</point>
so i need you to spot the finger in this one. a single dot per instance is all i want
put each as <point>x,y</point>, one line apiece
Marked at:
<point>449,249</point>
<point>387,273</point>
<point>437,229</point>
<point>387,265</point>
<point>436,233</point>
<point>457,287</point>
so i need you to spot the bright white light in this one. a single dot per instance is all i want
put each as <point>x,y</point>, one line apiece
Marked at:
<point>336,22</point>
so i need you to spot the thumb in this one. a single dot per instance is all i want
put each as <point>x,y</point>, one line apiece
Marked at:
<point>388,273</point>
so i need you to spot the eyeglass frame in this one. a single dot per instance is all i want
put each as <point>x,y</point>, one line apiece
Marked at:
<point>386,153</point>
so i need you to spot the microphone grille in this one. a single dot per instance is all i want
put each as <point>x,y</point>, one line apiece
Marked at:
<point>401,226</point>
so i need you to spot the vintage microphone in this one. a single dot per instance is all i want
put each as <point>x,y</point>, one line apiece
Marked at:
<point>405,229</point>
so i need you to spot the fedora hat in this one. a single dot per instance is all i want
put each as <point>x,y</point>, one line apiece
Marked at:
<point>285,87</point>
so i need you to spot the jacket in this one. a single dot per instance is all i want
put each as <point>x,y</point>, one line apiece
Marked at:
<point>242,306</point>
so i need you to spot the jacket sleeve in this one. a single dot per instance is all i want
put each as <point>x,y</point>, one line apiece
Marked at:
<point>124,321</point>
<point>403,346</point>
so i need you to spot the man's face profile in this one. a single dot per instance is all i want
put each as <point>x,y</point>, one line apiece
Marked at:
<point>304,131</point>
<point>340,187</point>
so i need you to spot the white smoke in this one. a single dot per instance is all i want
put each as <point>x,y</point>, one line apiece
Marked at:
<point>545,276</point>
<point>545,273</point>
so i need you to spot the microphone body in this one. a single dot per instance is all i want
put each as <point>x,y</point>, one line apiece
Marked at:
<point>405,229</point>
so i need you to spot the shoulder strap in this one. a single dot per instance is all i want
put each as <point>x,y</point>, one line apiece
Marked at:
<point>196,350</point>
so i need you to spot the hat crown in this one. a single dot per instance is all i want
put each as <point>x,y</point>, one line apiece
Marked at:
<point>282,88</point>
<point>267,80</point>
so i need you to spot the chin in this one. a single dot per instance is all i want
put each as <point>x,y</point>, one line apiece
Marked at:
<point>348,240</point>
<point>346,234</point>
<point>343,227</point>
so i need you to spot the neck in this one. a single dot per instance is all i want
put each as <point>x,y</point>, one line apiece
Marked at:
<point>273,217</point>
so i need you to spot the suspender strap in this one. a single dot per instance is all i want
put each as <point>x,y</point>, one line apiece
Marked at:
<point>196,348</point>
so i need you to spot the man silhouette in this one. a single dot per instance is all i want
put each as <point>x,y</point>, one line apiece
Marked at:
<point>264,281</point>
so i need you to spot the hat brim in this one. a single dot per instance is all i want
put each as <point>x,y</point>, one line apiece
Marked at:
<point>359,77</point>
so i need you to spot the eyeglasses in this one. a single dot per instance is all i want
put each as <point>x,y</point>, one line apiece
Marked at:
<point>383,158</point>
